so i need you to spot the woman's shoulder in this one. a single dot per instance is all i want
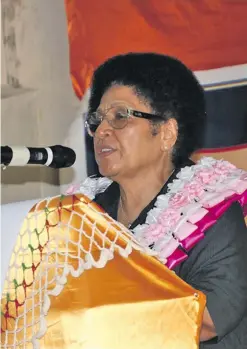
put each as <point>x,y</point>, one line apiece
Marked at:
<point>224,242</point>
<point>217,267</point>
<point>230,228</point>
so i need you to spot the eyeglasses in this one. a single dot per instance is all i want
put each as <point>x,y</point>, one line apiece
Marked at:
<point>116,116</point>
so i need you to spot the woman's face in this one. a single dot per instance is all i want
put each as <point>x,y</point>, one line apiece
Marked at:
<point>122,153</point>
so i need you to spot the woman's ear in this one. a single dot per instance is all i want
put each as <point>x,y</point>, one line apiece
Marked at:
<point>169,134</point>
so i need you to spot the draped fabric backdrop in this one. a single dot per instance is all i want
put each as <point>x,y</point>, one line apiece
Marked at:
<point>210,37</point>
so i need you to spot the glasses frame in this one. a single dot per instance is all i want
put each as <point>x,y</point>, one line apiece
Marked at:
<point>130,112</point>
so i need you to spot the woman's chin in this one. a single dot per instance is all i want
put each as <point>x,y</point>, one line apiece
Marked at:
<point>108,171</point>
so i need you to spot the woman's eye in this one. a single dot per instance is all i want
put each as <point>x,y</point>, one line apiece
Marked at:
<point>120,115</point>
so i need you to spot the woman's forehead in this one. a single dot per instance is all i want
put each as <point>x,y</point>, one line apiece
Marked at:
<point>121,95</point>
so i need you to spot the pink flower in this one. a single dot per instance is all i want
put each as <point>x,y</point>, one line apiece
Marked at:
<point>153,233</point>
<point>72,189</point>
<point>243,177</point>
<point>206,176</point>
<point>179,200</point>
<point>168,218</point>
<point>194,189</point>
<point>223,167</point>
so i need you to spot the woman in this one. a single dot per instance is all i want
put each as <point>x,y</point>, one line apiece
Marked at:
<point>147,116</point>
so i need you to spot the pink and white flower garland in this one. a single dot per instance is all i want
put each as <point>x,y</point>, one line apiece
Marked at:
<point>194,201</point>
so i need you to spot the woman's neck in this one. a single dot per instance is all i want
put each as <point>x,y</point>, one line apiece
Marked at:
<point>136,193</point>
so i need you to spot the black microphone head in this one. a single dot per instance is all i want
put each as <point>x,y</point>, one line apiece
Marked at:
<point>62,156</point>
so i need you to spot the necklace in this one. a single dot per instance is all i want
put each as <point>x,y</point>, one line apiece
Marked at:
<point>120,207</point>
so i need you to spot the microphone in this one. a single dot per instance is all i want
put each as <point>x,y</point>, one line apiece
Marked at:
<point>56,156</point>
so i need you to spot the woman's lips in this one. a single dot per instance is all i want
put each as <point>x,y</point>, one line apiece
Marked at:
<point>105,151</point>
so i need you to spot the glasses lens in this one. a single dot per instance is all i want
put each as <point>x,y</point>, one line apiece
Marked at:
<point>116,116</point>
<point>92,123</point>
<point>119,116</point>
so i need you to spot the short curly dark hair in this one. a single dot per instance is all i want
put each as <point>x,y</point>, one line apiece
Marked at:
<point>170,88</point>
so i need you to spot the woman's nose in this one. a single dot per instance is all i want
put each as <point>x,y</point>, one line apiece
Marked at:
<point>104,129</point>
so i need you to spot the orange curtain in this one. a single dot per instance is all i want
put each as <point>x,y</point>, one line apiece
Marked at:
<point>203,34</point>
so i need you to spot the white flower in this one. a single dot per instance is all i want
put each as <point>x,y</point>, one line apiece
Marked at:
<point>186,173</point>
<point>207,161</point>
<point>160,244</point>
<point>102,184</point>
<point>153,215</point>
<point>93,186</point>
<point>162,201</point>
<point>139,230</point>
<point>175,186</point>
<point>237,173</point>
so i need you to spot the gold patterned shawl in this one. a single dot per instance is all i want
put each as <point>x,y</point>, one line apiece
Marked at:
<point>77,279</point>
